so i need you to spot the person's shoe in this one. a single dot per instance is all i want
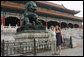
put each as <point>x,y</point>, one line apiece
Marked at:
<point>59,54</point>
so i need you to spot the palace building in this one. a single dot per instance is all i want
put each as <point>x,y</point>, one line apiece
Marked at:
<point>12,12</point>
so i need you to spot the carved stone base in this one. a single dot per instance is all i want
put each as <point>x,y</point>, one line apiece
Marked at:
<point>30,34</point>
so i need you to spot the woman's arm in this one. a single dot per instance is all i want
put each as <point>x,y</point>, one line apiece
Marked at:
<point>62,37</point>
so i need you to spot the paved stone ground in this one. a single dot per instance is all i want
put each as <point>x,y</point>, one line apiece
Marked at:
<point>65,52</point>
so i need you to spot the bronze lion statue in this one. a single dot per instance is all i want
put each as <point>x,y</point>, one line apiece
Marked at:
<point>30,21</point>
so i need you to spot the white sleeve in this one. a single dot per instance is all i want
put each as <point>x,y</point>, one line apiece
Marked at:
<point>50,35</point>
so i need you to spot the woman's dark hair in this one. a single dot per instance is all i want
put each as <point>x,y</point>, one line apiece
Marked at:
<point>58,28</point>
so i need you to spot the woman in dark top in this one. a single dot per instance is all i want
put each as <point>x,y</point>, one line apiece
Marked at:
<point>59,39</point>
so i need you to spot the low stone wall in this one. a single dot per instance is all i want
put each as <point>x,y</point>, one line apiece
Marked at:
<point>75,33</point>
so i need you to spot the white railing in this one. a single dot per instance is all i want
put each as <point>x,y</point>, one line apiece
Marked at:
<point>8,28</point>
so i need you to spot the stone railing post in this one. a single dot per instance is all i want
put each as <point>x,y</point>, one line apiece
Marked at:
<point>71,46</point>
<point>2,49</point>
<point>34,47</point>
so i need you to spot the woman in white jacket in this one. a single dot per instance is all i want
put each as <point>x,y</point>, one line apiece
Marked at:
<point>52,39</point>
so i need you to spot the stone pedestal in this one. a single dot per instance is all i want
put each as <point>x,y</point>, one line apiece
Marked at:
<point>32,39</point>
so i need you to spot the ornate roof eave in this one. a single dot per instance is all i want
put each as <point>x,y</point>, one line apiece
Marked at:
<point>21,7</point>
<point>57,6</point>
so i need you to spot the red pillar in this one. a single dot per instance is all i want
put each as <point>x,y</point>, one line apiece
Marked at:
<point>80,26</point>
<point>67,26</point>
<point>60,25</point>
<point>3,20</point>
<point>46,24</point>
<point>20,20</point>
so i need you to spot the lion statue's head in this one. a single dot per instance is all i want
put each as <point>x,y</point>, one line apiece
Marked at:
<point>31,6</point>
